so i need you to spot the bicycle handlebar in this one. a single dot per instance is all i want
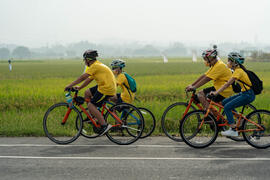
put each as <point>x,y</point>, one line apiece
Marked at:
<point>72,90</point>
<point>193,92</point>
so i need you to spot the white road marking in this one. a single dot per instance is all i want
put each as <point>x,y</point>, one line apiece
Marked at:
<point>127,146</point>
<point>135,158</point>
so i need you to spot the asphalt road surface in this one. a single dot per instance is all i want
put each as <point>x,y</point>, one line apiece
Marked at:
<point>151,158</point>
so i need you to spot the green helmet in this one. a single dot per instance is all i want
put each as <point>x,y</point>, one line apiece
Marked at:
<point>236,57</point>
<point>118,63</point>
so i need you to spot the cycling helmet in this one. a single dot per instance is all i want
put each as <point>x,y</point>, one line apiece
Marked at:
<point>90,55</point>
<point>210,52</point>
<point>118,63</point>
<point>236,57</point>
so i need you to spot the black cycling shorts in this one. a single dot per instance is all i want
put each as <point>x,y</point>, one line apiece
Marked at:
<point>218,98</point>
<point>98,98</point>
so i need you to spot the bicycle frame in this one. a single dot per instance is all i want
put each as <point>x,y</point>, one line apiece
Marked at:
<point>122,115</point>
<point>239,116</point>
<point>104,107</point>
<point>190,102</point>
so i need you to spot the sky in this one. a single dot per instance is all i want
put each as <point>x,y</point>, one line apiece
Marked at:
<point>37,23</point>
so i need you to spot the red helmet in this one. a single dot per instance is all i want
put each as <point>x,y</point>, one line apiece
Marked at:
<point>210,52</point>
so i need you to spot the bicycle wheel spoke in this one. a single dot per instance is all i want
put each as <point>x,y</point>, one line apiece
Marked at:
<point>58,132</point>
<point>135,129</point>
<point>149,122</point>
<point>245,111</point>
<point>198,131</point>
<point>258,134</point>
<point>171,118</point>
<point>131,126</point>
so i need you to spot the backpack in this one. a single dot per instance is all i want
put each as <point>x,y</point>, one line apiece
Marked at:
<point>256,83</point>
<point>236,87</point>
<point>131,83</point>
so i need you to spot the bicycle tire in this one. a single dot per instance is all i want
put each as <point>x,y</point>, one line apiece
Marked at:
<point>170,121</point>
<point>58,132</point>
<point>149,122</point>
<point>193,136</point>
<point>87,129</point>
<point>122,134</point>
<point>240,137</point>
<point>258,139</point>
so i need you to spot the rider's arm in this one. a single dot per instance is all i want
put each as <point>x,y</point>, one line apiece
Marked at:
<point>202,76</point>
<point>227,84</point>
<point>203,81</point>
<point>85,83</point>
<point>80,79</point>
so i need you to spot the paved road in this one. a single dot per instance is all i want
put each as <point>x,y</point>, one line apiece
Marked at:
<point>151,158</point>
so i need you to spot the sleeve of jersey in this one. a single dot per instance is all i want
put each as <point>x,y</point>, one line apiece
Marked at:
<point>236,74</point>
<point>213,73</point>
<point>120,79</point>
<point>91,72</point>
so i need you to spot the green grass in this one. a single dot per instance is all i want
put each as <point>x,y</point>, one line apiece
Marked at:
<point>33,86</point>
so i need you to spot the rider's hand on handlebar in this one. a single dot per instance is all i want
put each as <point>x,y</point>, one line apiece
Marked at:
<point>213,93</point>
<point>68,88</point>
<point>76,88</point>
<point>190,88</point>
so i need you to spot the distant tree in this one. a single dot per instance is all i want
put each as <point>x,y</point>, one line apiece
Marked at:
<point>21,52</point>
<point>4,53</point>
<point>70,53</point>
<point>147,50</point>
<point>176,49</point>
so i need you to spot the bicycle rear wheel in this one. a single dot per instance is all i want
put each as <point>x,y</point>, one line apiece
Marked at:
<point>88,130</point>
<point>131,127</point>
<point>170,121</point>
<point>149,122</point>
<point>197,131</point>
<point>258,138</point>
<point>245,111</point>
<point>56,130</point>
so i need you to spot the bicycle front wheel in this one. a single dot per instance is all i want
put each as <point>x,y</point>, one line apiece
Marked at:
<point>59,131</point>
<point>256,137</point>
<point>198,131</point>
<point>127,121</point>
<point>170,121</point>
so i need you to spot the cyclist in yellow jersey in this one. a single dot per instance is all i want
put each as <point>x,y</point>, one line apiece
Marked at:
<point>218,72</point>
<point>246,96</point>
<point>126,95</point>
<point>105,88</point>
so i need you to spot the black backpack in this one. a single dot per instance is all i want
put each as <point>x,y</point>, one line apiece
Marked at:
<point>257,84</point>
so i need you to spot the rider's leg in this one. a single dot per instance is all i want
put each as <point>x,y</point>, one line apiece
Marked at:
<point>203,100</point>
<point>96,113</point>
<point>88,95</point>
<point>235,101</point>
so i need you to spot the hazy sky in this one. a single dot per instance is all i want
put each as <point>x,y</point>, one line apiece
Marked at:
<point>38,22</point>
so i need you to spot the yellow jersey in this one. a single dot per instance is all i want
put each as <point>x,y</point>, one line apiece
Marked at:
<point>104,77</point>
<point>241,75</point>
<point>221,74</point>
<point>126,94</point>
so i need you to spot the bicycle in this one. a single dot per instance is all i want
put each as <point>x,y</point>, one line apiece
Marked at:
<point>199,128</point>
<point>174,113</point>
<point>148,116</point>
<point>63,122</point>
